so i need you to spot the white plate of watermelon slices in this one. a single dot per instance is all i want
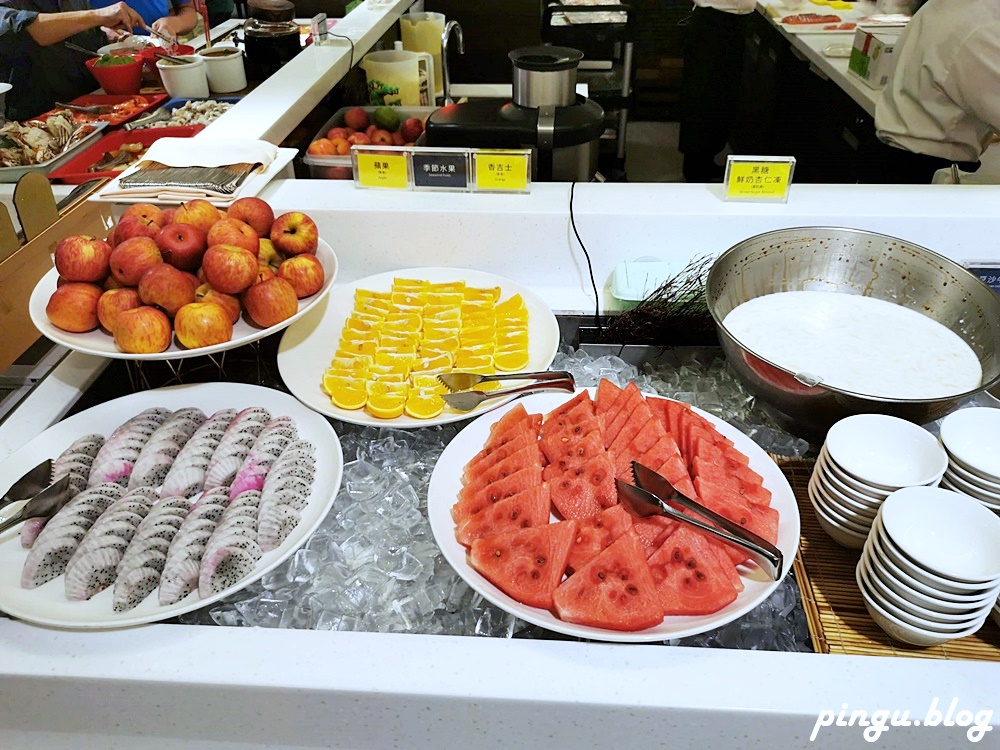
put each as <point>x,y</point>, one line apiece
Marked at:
<point>446,481</point>
<point>310,343</point>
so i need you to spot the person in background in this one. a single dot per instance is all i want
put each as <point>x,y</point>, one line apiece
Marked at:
<point>713,64</point>
<point>33,59</point>
<point>219,11</point>
<point>941,105</point>
<point>172,18</point>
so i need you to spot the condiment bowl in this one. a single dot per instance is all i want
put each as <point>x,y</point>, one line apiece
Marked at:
<point>977,480</point>
<point>117,79</point>
<point>901,586</point>
<point>829,475</point>
<point>886,452</point>
<point>836,529</point>
<point>844,502</point>
<point>971,437</point>
<point>966,487</point>
<point>946,533</point>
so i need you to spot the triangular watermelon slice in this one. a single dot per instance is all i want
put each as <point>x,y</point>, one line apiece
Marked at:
<point>580,417</point>
<point>557,440</point>
<point>470,503</point>
<point>646,438</point>
<point>719,454</point>
<point>640,417</point>
<point>741,471</point>
<point>564,455</point>
<point>761,520</point>
<point>585,490</point>
<point>527,565</point>
<point>521,511</point>
<point>488,457</point>
<point>509,425</point>
<point>525,458</point>
<point>652,531</point>
<point>615,590</point>
<point>690,580</point>
<point>595,534</point>
<point>715,478</point>
<point>631,396</point>
<point>728,565</point>
<point>607,394</point>
<point>580,399</point>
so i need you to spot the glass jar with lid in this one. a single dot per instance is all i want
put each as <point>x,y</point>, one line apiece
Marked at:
<point>271,37</point>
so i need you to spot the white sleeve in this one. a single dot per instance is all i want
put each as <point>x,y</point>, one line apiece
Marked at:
<point>974,80</point>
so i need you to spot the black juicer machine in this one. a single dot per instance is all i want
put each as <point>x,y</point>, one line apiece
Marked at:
<point>546,115</point>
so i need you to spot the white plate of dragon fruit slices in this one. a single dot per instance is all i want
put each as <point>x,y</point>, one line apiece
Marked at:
<point>183,495</point>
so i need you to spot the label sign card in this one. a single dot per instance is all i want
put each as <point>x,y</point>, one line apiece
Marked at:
<point>443,170</point>
<point>759,178</point>
<point>381,169</point>
<point>988,271</point>
<point>506,171</point>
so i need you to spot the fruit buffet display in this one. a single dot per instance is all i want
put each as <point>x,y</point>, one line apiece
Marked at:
<point>383,127</point>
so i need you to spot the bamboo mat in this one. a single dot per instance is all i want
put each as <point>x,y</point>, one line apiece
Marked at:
<point>838,620</point>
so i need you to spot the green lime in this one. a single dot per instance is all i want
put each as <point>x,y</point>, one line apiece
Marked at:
<point>387,118</point>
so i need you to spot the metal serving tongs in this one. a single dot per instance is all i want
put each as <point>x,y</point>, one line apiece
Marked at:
<point>45,504</point>
<point>463,381</point>
<point>30,484</point>
<point>469,400</point>
<point>650,495</point>
<point>87,109</point>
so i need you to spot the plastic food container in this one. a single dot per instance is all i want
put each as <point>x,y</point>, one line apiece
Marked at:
<point>338,167</point>
<point>184,80</point>
<point>74,171</point>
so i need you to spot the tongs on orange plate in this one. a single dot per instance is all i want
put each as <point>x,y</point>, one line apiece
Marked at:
<point>652,495</point>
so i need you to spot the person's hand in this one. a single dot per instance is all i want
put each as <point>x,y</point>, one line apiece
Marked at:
<point>119,16</point>
<point>163,26</point>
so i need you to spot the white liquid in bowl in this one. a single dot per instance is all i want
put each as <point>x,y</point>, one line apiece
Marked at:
<point>858,344</point>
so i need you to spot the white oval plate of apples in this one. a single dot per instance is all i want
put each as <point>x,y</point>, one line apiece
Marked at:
<point>145,333</point>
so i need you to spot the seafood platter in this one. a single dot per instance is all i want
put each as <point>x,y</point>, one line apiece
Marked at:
<point>178,497</point>
<point>43,143</point>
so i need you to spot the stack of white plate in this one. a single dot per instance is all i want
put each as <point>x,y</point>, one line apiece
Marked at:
<point>971,438</point>
<point>865,459</point>
<point>930,570</point>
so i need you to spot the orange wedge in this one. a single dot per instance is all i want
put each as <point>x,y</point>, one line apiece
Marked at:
<point>474,362</point>
<point>386,406</point>
<point>511,361</point>
<point>345,393</point>
<point>411,298</point>
<point>474,293</point>
<point>510,305</point>
<point>361,295</point>
<point>424,406</point>
<point>436,363</point>
<point>357,347</point>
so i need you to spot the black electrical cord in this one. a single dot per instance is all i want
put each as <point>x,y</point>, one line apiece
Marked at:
<point>590,265</point>
<point>349,40</point>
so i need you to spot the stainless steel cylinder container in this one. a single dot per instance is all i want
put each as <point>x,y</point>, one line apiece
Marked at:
<point>545,76</point>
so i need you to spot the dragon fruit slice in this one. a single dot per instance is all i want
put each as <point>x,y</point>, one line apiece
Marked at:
<point>245,428</point>
<point>164,445</point>
<point>116,458</point>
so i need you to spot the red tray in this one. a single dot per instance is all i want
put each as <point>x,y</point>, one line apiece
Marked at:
<point>151,101</point>
<point>74,171</point>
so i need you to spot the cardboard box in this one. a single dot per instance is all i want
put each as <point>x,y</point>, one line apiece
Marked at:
<point>874,55</point>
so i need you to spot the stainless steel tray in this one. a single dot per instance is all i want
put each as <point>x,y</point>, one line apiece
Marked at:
<point>13,174</point>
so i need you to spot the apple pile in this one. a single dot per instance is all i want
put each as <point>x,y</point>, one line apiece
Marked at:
<point>189,271</point>
<point>359,130</point>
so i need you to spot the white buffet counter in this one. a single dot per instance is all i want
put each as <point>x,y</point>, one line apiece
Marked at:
<point>214,688</point>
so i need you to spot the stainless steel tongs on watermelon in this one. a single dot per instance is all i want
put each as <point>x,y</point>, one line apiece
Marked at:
<point>652,495</point>
<point>469,400</point>
<point>463,381</point>
<point>45,504</point>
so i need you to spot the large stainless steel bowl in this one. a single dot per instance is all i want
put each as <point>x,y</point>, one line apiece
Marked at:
<point>849,261</point>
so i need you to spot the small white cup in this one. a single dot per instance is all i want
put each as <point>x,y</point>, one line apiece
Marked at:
<point>226,72</point>
<point>184,81</point>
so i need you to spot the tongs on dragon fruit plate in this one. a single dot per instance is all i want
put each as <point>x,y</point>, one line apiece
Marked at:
<point>30,484</point>
<point>469,400</point>
<point>45,504</point>
<point>650,497</point>
<point>463,381</point>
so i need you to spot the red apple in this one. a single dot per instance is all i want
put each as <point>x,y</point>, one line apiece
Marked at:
<point>264,273</point>
<point>182,245</point>
<point>321,147</point>
<point>341,146</point>
<point>142,330</point>
<point>73,307</point>
<point>370,131</point>
<point>398,139</point>
<point>268,255</point>
<point>234,232</point>
<point>114,301</point>
<point>202,324</point>
<point>195,281</point>
<point>167,288</point>
<point>304,272</point>
<point>382,138</point>
<point>199,212</point>
<point>83,258</point>
<point>253,211</point>
<point>145,211</point>
<point>295,233</point>
<point>132,258</point>
<point>228,268</point>
<point>356,119</point>
<point>231,304</point>
<point>133,226</point>
<point>112,283</point>
<point>168,216</point>
<point>335,133</point>
<point>411,129</point>
<point>271,302</point>
<point>360,139</point>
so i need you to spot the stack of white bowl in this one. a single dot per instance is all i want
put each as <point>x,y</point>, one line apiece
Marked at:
<point>971,438</point>
<point>930,570</point>
<point>865,459</point>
